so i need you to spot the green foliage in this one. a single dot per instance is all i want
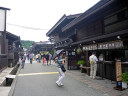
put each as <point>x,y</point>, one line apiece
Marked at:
<point>79,50</point>
<point>52,52</point>
<point>26,43</point>
<point>125,77</point>
<point>80,62</point>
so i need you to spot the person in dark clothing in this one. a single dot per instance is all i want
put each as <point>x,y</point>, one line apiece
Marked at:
<point>47,58</point>
<point>23,61</point>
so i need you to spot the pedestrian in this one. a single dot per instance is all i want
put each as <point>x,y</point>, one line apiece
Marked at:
<point>61,73</point>
<point>28,56</point>
<point>25,55</point>
<point>47,58</point>
<point>50,58</point>
<point>43,58</point>
<point>22,61</point>
<point>31,57</point>
<point>93,65</point>
<point>39,57</point>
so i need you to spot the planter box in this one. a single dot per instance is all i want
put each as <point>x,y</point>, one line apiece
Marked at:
<point>124,85</point>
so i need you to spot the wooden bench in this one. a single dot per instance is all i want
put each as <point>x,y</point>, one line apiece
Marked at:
<point>86,68</point>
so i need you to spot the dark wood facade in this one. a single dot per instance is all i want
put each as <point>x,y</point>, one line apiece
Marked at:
<point>100,26</point>
<point>3,41</point>
<point>14,48</point>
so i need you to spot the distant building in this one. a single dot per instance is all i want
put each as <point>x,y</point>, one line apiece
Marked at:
<point>43,46</point>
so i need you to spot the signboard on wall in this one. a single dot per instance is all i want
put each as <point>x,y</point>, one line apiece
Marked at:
<point>118,71</point>
<point>105,45</point>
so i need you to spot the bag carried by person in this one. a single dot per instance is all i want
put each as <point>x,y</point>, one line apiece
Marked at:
<point>92,62</point>
<point>63,68</point>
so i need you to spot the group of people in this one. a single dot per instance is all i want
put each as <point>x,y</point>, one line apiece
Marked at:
<point>48,57</point>
<point>93,68</point>
<point>24,56</point>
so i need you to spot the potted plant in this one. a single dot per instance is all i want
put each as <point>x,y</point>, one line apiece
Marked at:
<point>79,50</point>
<point>124,80</point>
<point>81,62</point>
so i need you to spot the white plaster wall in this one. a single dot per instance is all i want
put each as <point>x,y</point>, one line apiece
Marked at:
<point>2,19</point>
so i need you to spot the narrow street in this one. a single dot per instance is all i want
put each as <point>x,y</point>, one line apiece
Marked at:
<point>39,80</point>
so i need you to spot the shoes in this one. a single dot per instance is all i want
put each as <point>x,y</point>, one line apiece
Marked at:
<point>59,84</point>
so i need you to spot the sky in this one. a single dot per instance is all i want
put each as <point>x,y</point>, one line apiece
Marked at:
<point>32,19</point>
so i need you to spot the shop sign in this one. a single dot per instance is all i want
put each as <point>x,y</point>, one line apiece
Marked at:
<point>105,45</point>
<point>110,45</point>
<point>118,71</point>
<point>90,47</point>
<point>119,44</point>
<point>100,46</point>
<point>73,53</point>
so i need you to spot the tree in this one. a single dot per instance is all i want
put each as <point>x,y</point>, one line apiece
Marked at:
<point>26,43</point>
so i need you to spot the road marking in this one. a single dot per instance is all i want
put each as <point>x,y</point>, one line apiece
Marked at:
<point>44,73</point>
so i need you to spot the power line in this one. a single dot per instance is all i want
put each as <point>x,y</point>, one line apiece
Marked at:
<point>26,27</point>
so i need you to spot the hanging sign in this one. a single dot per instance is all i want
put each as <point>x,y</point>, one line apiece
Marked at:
<point>90,47</point>
<point>105,45</point>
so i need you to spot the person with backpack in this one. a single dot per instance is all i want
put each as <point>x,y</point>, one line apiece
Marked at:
<point>93,65</point>
<point>61,72</point>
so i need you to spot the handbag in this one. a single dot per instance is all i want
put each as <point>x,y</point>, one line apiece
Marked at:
<point>63,68</point>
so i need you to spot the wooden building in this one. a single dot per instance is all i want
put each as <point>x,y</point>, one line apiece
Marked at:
<point>41,47</point>
<point>14,48</point>
<point>3,47</point>
<point>62,40</point>
<point>104,29</point>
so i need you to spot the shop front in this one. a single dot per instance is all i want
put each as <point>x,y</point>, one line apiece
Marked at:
<point>108,53</point>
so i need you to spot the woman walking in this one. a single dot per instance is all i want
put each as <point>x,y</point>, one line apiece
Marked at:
<point>61,73</point>
<point>23,61</point>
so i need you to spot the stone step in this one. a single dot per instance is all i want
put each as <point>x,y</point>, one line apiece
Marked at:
<point>4,91</point>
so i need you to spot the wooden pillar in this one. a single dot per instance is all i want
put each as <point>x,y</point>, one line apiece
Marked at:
<point>87,59</point>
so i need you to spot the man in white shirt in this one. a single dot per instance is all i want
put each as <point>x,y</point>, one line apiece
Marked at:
<point>93,67</point>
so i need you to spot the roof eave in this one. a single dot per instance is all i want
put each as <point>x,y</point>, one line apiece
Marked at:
<point>79,19</point>
<point>55,26</point>
<point>4,8</point>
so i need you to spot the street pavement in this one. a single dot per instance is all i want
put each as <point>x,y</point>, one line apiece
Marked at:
<point>39,80</point>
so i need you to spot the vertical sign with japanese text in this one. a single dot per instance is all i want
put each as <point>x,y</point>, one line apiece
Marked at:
<point>118,71</point>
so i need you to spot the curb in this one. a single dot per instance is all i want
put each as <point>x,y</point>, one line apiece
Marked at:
<point>11,92</point>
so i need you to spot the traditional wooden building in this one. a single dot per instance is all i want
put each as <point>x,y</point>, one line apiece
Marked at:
<point>14,48</point>
<point>62,40</point>
<point>56,34</point>
<point>104,29</point>
<point>41,47</point>
<point>3,47</point>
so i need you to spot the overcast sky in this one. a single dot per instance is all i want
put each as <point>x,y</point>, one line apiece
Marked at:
<point>32,19</point>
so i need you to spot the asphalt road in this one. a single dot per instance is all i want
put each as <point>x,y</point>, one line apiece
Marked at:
<point>39,80</point>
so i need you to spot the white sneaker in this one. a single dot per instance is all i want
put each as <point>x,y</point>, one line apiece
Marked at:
<point>61,84</point>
